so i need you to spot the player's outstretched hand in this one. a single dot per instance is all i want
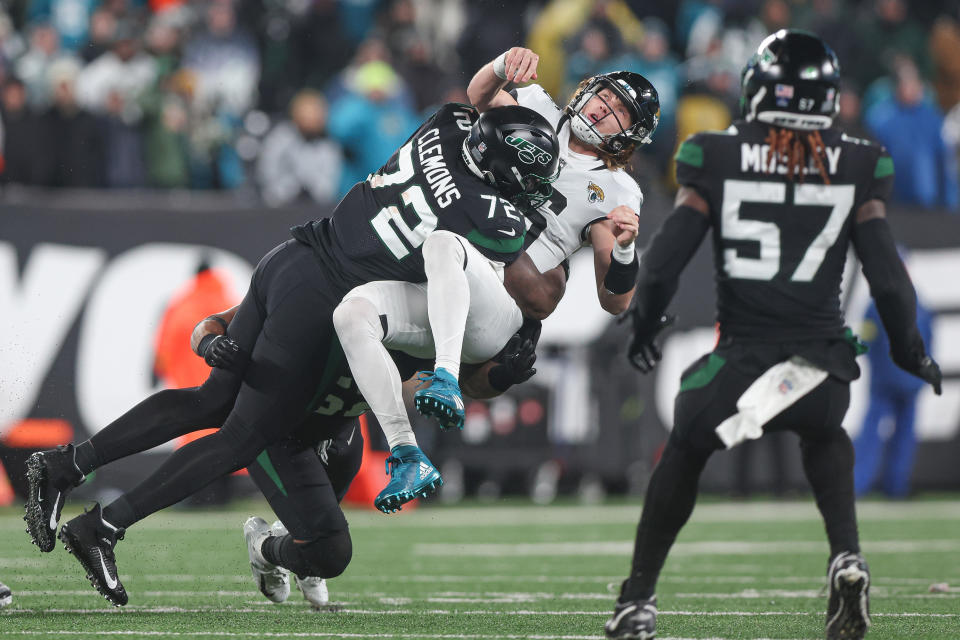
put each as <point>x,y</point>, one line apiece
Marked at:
<point>521,65</point>
<point>643,352</point>
<point>929,371</point>
<point>221,352</point>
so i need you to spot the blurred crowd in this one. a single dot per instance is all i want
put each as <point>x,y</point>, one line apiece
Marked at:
<point>298,99</point>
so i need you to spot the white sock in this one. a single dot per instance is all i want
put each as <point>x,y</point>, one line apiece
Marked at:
<point>357,322</point>
<point>448,296</point>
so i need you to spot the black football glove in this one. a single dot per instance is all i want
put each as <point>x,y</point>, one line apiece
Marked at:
<point>221,352</point>
<point>517,358</point>
<point>643,352</point>
<point>924,367</point>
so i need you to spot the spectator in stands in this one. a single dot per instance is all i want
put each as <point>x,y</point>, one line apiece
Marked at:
<point>20,131</point>
<point>226,61</point>
<point>304,47</point>
<point>850,116</point>
<point>103,30</point>
<point>167,142</point>
<point>32,67</point>
<point>910,125</point>
<point>945,51</point>
<point>369,122</point>
<point>70,145</point>
<point>297,158</point>
<point>891,34</point>
<point>888,460</point>
<point>122,74</point>
<point>69,18</point>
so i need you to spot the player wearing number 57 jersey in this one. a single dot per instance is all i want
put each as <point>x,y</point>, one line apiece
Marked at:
<point>595,202</point>
<point>784,196</point>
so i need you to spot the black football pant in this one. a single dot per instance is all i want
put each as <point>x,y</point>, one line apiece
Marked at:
<point>304,489</point>
<point>284,323</point>
<point>709,392</point>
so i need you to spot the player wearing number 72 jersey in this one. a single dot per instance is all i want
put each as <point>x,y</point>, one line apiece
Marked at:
<point>784,195</point>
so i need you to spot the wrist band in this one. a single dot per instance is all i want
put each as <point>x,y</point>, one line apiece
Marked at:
<point>624,255</point>
<point>620,277</point>
<point>500,66</point>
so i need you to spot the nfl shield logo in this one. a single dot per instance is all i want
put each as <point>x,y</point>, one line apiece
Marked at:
<point>785,386</point>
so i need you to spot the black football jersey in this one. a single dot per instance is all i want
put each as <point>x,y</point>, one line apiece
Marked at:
<point>377,230</point>
<point>780,245</point>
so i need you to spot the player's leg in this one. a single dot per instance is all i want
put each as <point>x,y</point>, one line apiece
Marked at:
<point>869,445</point>
<point>312,538</point>
<point>448,295</point>
<point>368,318</point>
<point>279,382</point>
<point>708,395</point>
<point>491,320</point>
<point>158,419</point>
<point>827,455</point>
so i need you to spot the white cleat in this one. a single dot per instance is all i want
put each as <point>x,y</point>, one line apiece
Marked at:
<point>314,589</point>
<point>273,581</point>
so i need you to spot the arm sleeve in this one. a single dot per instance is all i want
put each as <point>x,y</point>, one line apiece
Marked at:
<point>669,251</point>
<point>881,182</point>
<point>891,289</point>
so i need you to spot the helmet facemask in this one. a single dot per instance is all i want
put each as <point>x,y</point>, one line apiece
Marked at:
<point>644,114</point>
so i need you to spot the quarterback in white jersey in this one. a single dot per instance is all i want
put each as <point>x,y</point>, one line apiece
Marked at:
<point>595,202</point>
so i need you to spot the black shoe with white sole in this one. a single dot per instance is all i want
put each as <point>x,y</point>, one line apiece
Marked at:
<point>848,611</point>
<point>51,475</point>
<point>6,596</point>
<point>633,620</point>
<point>90,539</point>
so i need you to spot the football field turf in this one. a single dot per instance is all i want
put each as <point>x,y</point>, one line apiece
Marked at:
<point>742,570</point>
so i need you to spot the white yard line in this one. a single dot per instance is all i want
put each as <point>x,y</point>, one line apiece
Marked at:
<point>625,548</point>
<point>450,612</point>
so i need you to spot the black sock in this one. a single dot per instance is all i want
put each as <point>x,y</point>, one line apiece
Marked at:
<point>828,465</point>
<point>272,550</point>
<point>670,499</point>
<point>120,513</point>
<point>85,457</point>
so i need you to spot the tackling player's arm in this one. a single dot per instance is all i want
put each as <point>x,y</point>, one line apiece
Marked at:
<point>669,251</point>
<point>513,365</point>
<point>892,291</point>
<point>537,294</point>
<point>517,65</point>
<point>615,259</point>
<point>209,340</point>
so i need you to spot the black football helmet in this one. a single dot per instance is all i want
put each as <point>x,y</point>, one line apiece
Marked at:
<point>515,150</point>
<point>637,94</point>
<point>793,81</point>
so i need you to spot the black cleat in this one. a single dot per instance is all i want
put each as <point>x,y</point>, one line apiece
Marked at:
<point>91,540</point>
<point>633,620</point>
<point>51,476</point>
<point>6,596</point>
<point>848,612</point>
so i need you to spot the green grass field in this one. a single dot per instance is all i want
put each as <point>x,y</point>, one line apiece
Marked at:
<point>739,570</point>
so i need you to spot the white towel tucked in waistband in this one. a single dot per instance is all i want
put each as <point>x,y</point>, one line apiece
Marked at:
<point>776,389</point>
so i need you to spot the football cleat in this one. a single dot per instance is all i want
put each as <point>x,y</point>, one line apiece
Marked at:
<point>412,475</point>
<point>439,396</point>
<point>273,581</point>
<point>51,475</point>
<point>633,620</point>
<point>6,596</point>
<point>91,539</point>
<point>848,611</point>
<point>314,589</point>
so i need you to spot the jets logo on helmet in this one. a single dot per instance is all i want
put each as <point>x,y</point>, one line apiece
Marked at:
<point>515,150</point>
<point>527,151</point>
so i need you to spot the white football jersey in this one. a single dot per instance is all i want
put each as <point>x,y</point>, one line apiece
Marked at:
<point>585,192</point>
